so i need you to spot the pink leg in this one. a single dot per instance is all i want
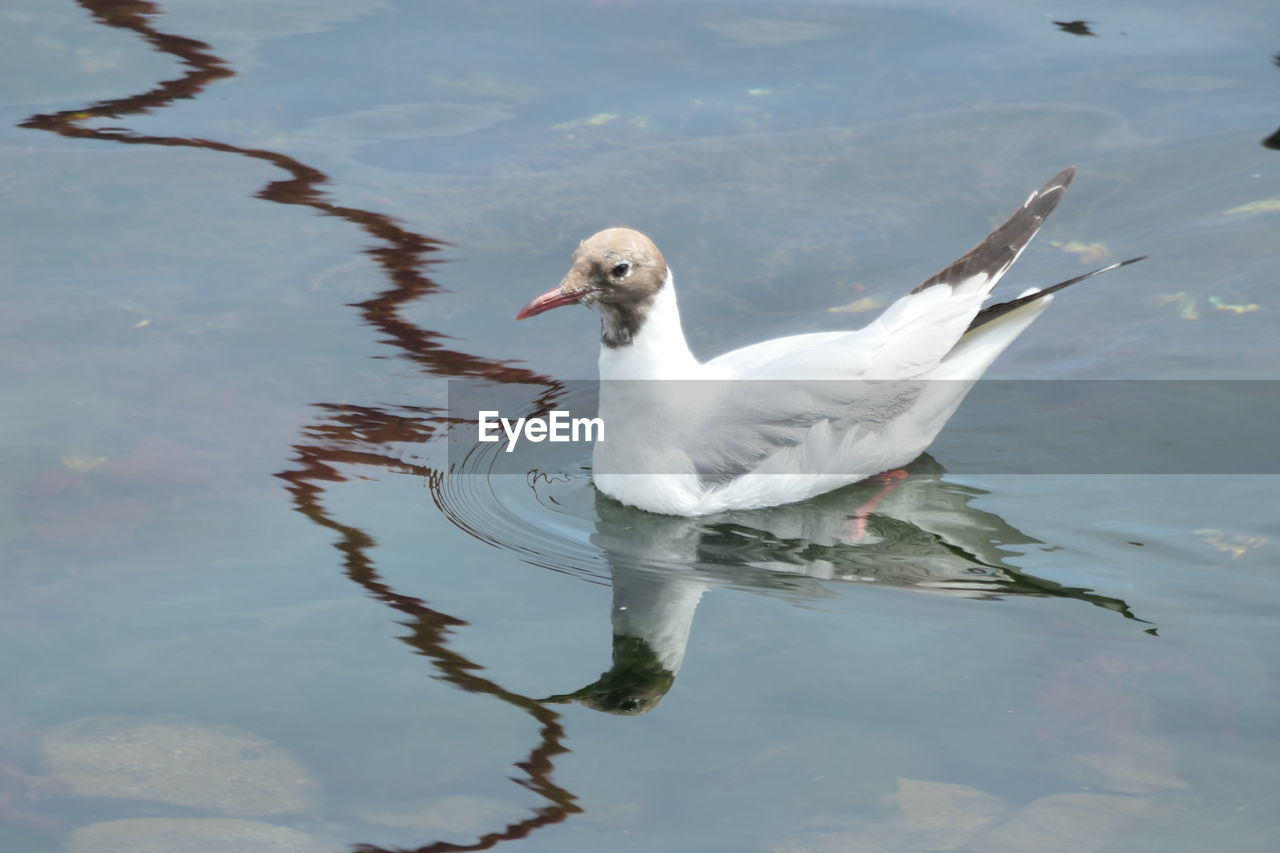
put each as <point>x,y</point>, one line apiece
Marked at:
<point>888,481</point>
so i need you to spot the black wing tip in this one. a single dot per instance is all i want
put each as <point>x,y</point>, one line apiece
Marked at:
<point>1057,184</point>
<point>995,312</point>
<point>999,249</point>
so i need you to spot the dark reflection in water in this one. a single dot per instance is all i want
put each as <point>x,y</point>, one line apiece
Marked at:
<point>1076,28</point>
<point>349,434</point>
<point>1273,141</point>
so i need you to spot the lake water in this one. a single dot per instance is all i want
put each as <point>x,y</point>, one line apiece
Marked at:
<point>245,600</point>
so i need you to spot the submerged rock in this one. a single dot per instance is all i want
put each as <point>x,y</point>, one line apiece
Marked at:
<point>456,814</point>
<point>1062,823</point>
<point>217,768</point>
<point>930,816</point>
<point>195,835</point>
<point>940,815</point>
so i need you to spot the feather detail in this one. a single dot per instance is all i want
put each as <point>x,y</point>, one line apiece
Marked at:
<point>983,265</point>
<point>992,312</point>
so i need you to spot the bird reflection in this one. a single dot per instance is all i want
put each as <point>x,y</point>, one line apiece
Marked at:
<point>924,536</point>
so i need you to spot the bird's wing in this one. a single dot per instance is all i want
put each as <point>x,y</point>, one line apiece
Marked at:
<point>826,402</point>
<point>915,333</point>
<point>729,428</point>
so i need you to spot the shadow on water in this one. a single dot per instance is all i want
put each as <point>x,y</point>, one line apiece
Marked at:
<point>923,535</point>
<point>349,434</point>
<point>1273,141</point>
<point>1076,28</point>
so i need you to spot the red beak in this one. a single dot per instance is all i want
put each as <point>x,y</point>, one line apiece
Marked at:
<point>554,298</point>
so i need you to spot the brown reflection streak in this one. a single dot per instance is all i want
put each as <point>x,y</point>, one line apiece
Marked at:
<point>428,635</point>
<point>350,435</point>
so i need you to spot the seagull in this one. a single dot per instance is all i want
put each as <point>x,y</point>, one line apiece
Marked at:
<point>786,419</point>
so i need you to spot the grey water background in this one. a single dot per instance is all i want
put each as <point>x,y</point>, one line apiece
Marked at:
<point>971,661</point>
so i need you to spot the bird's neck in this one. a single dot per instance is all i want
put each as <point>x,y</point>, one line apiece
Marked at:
<point>658,610</point>
<point>656,349</point>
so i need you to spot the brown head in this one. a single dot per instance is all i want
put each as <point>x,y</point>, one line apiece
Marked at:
<point>618,272</point>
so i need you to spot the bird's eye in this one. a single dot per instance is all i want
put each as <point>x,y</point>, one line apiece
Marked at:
<point>620,270</point>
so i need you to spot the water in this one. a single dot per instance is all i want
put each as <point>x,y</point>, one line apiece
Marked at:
<point>225,499</point>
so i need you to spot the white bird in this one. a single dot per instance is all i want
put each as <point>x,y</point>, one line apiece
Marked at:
<point>790,418</point>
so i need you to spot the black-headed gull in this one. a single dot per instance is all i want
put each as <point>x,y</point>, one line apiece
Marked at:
<point>790,418</point>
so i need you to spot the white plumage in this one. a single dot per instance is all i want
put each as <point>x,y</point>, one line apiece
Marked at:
<point>789,418</point>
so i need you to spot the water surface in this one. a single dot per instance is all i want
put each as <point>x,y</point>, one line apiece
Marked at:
<point>226,507</point>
